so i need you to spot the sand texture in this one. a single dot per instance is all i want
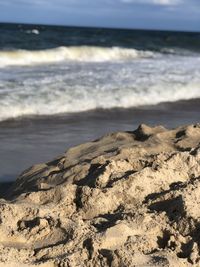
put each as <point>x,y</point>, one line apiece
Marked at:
<point>127,199</point>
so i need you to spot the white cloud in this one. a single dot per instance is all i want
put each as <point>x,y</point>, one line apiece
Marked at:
<point>95,3</point>
<point>166,2</point>
<point>154,2</point>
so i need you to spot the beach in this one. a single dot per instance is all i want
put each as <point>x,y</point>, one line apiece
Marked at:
<point>126,199</point>
<point>99,147</point>
<point>62,86</point>
<point>25,142</point>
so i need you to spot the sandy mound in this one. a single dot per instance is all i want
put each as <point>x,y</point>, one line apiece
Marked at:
<point>127,199</point>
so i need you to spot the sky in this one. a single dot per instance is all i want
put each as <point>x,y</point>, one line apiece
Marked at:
<point>141,14</point>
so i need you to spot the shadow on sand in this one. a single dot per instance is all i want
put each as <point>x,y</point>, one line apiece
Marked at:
<point>4,188</point>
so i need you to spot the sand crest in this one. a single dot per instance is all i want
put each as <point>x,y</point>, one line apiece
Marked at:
<point>127,199</point>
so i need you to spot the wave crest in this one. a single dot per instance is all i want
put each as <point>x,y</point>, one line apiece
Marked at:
<point>52,103</point>
<point>73,53</point>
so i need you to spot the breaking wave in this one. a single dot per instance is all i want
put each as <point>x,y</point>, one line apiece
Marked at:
<point>52,103</point>
<point>73,53</point>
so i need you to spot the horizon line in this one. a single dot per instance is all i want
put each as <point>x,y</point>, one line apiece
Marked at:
<point>100,27</point>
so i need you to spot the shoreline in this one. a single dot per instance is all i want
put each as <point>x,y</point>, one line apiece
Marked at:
<point>176,106</point>
<point>27,141</point>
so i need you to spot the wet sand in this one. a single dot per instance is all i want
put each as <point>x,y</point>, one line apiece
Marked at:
<point>27,141</point>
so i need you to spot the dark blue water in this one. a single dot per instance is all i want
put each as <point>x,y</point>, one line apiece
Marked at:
<point>22,36</point>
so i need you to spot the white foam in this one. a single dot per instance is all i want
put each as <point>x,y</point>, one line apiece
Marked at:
<point>79,53</point>
<point>34,31</point>
<point>47,103</point>
<point>65,88</point>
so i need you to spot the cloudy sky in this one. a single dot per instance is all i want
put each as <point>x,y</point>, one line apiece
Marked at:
<point>148,14</point>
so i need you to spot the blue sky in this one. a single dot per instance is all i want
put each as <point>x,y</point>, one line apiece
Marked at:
<point>148,14</point>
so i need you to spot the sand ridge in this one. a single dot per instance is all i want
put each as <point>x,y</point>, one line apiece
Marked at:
<point>126,199</point>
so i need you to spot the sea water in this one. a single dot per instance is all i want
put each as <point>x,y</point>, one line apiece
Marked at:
<point>52,70</point>
<point>61,86</point>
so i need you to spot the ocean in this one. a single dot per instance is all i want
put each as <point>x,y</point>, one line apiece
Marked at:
<point>61,86</point>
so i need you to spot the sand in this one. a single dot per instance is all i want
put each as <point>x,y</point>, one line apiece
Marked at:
<point>126,199</point>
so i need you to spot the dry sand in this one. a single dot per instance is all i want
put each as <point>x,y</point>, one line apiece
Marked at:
<point>127,199</point>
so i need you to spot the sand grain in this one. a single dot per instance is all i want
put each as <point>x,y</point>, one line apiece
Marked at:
<point>127,199</point>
